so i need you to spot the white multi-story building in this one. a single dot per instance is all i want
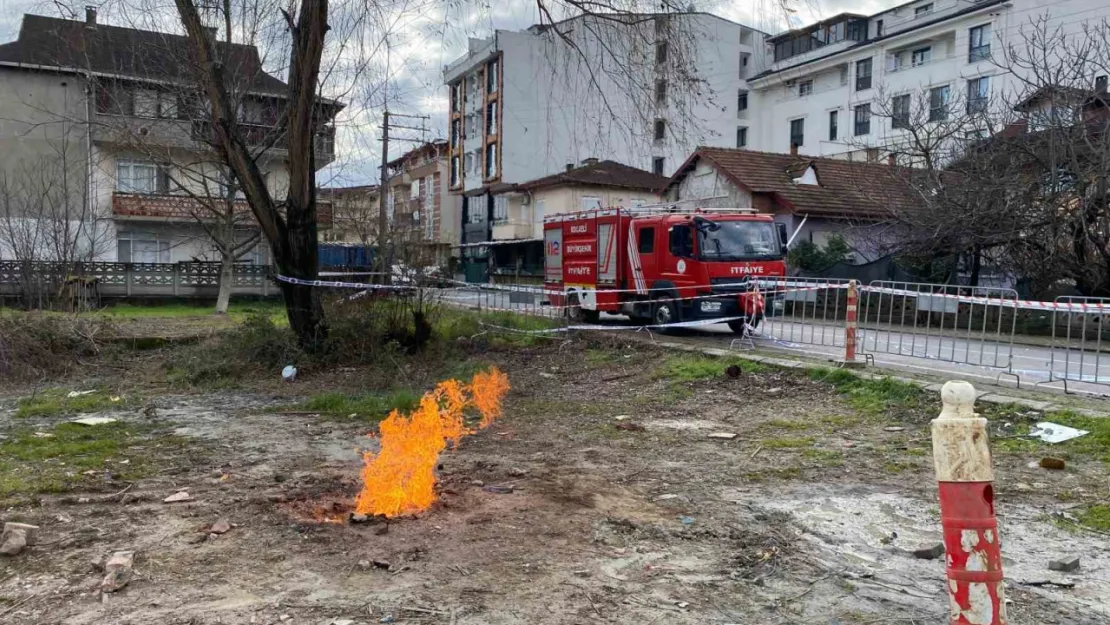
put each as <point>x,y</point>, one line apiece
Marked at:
<point>524,105</point>
<point>826,82</point>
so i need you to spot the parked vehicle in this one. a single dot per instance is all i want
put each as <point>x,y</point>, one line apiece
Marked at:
<point>662,265</point>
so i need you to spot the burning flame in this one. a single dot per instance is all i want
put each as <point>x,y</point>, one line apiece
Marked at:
<point>400,478</point>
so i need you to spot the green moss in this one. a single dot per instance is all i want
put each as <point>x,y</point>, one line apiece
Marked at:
<point>1096,517</point>
<point>367,407</point>
<point>699,367</point>
<point>871,397</point>
<point>784,424</point>
<point>824,457</point>
<point>56,402</point>
<point>56,461</point>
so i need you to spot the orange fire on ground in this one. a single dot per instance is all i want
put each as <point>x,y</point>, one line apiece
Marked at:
<point>400,479</point>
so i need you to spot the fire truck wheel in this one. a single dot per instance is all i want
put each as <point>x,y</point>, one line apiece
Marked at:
<point>664,313</point>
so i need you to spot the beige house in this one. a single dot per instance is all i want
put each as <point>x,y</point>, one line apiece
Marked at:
<point>423,214</point>
<point>516,241</point>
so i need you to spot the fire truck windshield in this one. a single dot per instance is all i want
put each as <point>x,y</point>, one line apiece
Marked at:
<point>737,240</point>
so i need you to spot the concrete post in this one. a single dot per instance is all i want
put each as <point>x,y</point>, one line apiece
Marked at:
<point>965,480</point>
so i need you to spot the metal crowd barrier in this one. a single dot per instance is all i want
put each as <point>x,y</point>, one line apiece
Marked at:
<point>1078,327</point>
<point>951,323</point>
<point>810,311</point>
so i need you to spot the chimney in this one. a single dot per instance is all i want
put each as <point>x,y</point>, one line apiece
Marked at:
<point>890,160</point>
<point>90,16</point>
<point>570,166</point>
<point>793,149</point>
<point>589,161</point>
<point>1100,83</point>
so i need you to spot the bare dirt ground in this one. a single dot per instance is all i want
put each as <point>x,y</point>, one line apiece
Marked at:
<point>623,509</point>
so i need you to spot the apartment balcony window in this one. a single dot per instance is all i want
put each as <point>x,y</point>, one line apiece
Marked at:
<point>900,106</point>
<point>456,132</point>
<point>657,165</point>
<point>741,100</point>
<point>921,56</point>
<point>938,103</point>
<point>500,210</point>
<point>456,98</point>
<point>141,177</point>
<point>741,137</point>
<point>491,77</point>
<point>491,118</point>
<point>863,75</point>
<point>834,119</point>
<point>660,130</point>
<point>863,120</point>
<point>805,88</point>
<point>923,10</point>
<point>491,161</point>
<point>979,43</point>
<point>978,92</point>
<point>454,173</point>
<point>797,132</point>
<point>661,92</point>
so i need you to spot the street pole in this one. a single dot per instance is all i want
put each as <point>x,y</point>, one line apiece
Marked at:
<point>383,191</point>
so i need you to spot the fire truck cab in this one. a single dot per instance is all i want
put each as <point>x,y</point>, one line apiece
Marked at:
<point>662,265</point>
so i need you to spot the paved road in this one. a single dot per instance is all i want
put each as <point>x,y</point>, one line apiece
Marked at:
<point>975,356</point>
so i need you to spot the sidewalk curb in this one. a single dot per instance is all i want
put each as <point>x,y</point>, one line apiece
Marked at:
<point>989,397</point>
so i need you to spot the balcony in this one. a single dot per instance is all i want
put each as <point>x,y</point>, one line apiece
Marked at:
<point>259,134</point>
<point>139,206</point>
<point>512,230</point>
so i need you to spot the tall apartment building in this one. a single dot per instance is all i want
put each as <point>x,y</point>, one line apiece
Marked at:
<point>421,210</point>
<point>105,144</point>
<point>524,105</point>
<point>825,82</point>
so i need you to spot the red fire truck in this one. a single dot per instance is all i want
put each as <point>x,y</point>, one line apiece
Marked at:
<point>662,265</point>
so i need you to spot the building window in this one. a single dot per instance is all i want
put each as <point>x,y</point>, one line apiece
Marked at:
<point>456,130</point>
<point>661,53</point>
<point>645,240</point>
<point>843,75</point>
<point>878,28</point>
<point>857,30</point>
<point>589,202</point>
<point>744,56</point>
<point>834,118</point>
<point>491,160</point>
<point>146,103</point>
<point>979,43</point>
<point>414,189</point>
<point>900,106</point>
<point>660,129</point>
<point>456,98</point>
<point>805,88</point>
<point>491,118</point>
<point>141,177</point>
<point>454,171</point>
<point>741,100</point>
<point>741,137</point>
<point>500,209</point>
<point>797,132</point>
<point>924,9</point>
<point>978,90</point>
<point>661,92</point>
<point>938,103</point>
<point>863,119</point>
<point>491,77</point>
<point>657,165</point>
<point>863,74</point>
<point>141,247</point>
<point>921,56</point>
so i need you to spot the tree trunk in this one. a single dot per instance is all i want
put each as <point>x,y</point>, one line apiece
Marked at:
<point>227,267</point>
<point>976,267</point>
<point>299,258</point>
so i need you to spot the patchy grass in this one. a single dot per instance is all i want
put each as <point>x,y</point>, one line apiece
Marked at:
<point>871,397</point>
<point>785,424</point>
<point>56,402</point>
<point>1096,517</point>
<point>1096,444</point>
<point>824,457</point>
<point>368,407</point>
<point>785,473</point>
<point>71,456</point>
<point>699,367</point>
<point>236,310</point>
<point>787,443</point>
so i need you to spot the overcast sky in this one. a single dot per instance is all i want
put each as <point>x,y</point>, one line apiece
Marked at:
<point>426,39</point>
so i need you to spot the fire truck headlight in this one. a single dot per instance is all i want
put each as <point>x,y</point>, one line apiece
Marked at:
<point>708,306</point>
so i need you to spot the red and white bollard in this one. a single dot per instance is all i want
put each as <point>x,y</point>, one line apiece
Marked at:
<point>965,479</point>
<point>851,323</point>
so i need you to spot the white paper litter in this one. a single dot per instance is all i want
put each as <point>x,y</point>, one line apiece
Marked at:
<point>80,393</point>
<point>1054,432</point>
<point>93,421</point>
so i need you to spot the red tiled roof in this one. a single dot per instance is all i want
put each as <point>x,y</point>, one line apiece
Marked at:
<point>846,188</point>
<point>603,174</point>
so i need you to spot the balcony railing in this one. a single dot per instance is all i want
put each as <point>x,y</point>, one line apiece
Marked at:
<point>187,208</point>
<point>259,134</point>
